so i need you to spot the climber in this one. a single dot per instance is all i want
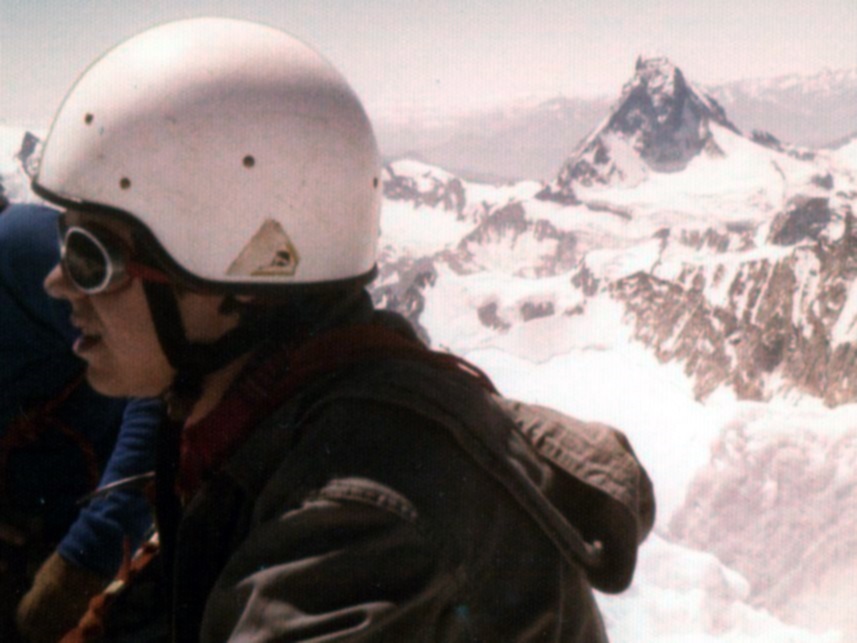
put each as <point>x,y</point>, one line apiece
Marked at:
<point>320,473</point>
<point>57,439</point>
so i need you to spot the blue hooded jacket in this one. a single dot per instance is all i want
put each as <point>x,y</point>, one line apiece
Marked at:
<point>46,476</point>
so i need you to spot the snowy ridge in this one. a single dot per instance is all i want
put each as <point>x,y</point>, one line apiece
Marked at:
<point>825,83</point>
<point>811,110</point>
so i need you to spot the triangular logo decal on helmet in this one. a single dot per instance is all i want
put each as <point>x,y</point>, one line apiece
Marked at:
<point>269,252</point>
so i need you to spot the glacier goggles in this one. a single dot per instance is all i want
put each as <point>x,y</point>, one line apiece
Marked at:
<point>96,260</point>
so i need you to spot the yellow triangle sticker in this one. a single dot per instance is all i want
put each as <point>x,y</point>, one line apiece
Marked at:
<point>269,253</point>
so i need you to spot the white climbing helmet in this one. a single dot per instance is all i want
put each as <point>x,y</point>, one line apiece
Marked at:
<point>245,154</point>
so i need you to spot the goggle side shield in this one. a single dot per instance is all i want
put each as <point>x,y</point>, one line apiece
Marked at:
<point>96,261</point>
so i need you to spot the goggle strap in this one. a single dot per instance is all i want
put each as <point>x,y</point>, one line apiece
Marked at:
<point>191,361</point>
<point>168,321</point>
<point>146,273</point>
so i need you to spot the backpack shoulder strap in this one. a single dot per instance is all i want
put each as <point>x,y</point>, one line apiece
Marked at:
<point>579,481</point>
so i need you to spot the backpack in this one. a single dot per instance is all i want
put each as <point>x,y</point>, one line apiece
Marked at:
<point>589,493</point>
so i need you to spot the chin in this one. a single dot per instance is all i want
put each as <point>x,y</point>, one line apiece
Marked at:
<point>112,385</point>
<point>105,385</point>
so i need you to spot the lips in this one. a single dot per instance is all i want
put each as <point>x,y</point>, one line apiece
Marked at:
<point>85,343</point>
<point>88,339</point>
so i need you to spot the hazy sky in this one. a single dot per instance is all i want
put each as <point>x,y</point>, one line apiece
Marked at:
<point>414,58</point>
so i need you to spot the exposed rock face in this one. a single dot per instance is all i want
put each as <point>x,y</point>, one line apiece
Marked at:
<point>566,196</point>
<point>804,218</point>
<point>509,220</point>
<point>720,241</point>
<point>824,181</point>
<point>432,190</point>
<point>667,120</point>
<point>405,295</point>
<point>767,139</point>
<point>490,317</point>
<point>535,310</point>
<point>30,154</point>
<point>772,142</point>
<point>585,281</point>
<point>787,317</point>
<point>679,324</point>
<point>509,226</point>
<point>659,124</point>
<point>16,178</point>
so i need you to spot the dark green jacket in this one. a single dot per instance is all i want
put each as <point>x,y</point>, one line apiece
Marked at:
<point>387,503</point>
<point>396,501</point>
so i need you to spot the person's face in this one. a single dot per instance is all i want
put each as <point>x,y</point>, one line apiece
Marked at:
<point>118,340</point>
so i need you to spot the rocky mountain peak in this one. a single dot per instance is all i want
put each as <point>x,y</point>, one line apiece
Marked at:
<point>658,91</point>
<point>659,101</point>
<point>423,185</point>
<point>30,154</point>
<point>660,80</point>
<point>660,122</point>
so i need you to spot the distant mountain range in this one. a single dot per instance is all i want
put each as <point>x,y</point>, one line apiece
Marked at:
<point>533,141</point>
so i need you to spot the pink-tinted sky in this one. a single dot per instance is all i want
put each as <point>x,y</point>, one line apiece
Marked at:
<point>422,58</point>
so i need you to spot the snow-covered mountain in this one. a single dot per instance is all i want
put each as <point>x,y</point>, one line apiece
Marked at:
<point>706,306</point>
<point>698,289</point>
<point>533,139</point>
<point>659,124</point>
<point>739,267</point>
<point>811,110</point>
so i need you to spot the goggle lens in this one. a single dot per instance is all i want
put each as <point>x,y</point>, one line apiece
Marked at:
<point>86,261</point>
<point>96,260</point>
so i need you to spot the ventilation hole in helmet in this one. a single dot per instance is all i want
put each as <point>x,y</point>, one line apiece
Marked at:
<point>249,161</point>
<point>88,119</point>
<point>375,182</point>
<point>125,183</point>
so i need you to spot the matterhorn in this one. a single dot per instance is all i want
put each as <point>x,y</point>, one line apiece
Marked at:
<point>659,124</point>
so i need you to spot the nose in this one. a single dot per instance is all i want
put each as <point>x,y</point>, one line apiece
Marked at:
<point>58,286</point>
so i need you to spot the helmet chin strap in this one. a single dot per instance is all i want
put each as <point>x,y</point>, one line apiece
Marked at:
<point>191,361</point>
<point>194,361</point>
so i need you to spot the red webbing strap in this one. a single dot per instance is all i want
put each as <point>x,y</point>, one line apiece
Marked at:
<point>342,347</point>
<point>208,443</point>
<point>91,625</point>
